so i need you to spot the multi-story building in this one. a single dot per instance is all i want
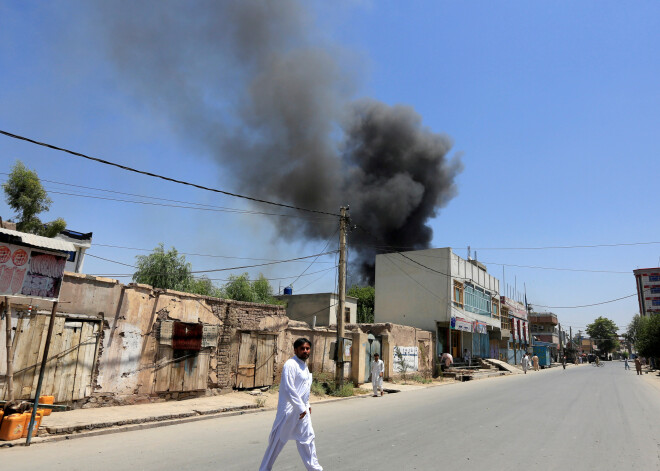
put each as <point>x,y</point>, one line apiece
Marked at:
<point>319,308</point>
<point>545,327</point>
<point>648,290</point>
<point>439,291</point>
<point>514,317</point>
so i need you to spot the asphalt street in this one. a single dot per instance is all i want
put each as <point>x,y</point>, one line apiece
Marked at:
<point>584,418</point>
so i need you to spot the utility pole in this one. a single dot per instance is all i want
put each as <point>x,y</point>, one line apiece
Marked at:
<point>339,366</point>
<point>10,349</point>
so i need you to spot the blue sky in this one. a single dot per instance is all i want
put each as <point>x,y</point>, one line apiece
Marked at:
<point>554,107</point>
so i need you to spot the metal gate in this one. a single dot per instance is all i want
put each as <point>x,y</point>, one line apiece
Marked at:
<point>370,349</point>
<point>256,360</point>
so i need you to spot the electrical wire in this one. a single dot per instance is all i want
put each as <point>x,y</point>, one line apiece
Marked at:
<point>162,177</point>
<point>197,254</point>
<point>233,268</point>
<point>314,261</point>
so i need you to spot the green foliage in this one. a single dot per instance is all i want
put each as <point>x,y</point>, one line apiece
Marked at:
<point>203,286</point>
<point>240,288</point>
<point>164,270</point>
<point>648,339</point>
<point>366,296</point>
<point>346,390</point>
<point>603,331</point>
<point>317,389</point>
<point>28,198</point>
<point>421,379</point>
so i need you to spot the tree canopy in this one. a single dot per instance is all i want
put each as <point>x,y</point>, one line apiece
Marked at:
<point>366,296</point>
<point>164,270</point>
<point>240,288</point>
<point>28,198</point>
<point>648,337</point>
<point>603,332</point>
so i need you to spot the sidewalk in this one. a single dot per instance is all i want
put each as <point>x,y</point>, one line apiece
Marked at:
<point>104,420</point>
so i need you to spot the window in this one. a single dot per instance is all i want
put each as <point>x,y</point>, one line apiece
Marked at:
<point>654,278</point>
<point>477,300</point>
<point>506,322</point>
<point>655,302</point>
<point>496,308</point>
<point>72,256</point>
<point>655,290</point>
<point>347,315</point>
<point>458,293</point>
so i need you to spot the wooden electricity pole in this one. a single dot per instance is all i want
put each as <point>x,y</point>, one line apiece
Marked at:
<point>10,351</point>
<point>343,227</point>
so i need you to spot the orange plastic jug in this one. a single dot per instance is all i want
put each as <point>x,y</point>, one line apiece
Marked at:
<point>37,423</point>
<point>47,400</point>
<point>12,427</point>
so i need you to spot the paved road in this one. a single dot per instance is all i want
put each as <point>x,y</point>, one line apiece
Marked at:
<point>582,418</point>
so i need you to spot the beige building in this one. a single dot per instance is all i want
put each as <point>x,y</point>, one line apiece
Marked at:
<point>322,306</point>
<point>438,291</point>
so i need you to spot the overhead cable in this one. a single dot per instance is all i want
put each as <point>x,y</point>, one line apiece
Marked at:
<point>162,177</point>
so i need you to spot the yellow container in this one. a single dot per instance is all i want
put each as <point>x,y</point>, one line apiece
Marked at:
<point>12,427</point>
<point>37,423</point>
<point>47,400</point>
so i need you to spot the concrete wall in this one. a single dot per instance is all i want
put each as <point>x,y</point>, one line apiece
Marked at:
<point>392,335</point>
<point>128,357</point>
<point>407,293</point>
<point>303,307</point>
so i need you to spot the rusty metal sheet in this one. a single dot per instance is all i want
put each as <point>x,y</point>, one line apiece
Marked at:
<point>187,336</point>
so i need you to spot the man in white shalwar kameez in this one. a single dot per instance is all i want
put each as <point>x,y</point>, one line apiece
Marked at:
<point>525,363</point>
<point>293,419</point>
<point>377,370</point>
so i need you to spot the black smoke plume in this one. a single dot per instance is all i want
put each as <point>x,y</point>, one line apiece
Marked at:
<point>254,84</point>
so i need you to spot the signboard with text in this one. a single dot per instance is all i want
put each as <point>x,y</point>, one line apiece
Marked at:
<point>30,272</point>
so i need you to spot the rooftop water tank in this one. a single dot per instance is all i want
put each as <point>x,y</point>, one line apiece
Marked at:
<point>288,291</point>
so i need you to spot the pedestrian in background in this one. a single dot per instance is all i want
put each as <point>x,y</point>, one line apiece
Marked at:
<point>293,420</point>
<point>466,356</point>
<point>625,362</point>
<point>377,371</point>
<point>535,361</point>
<point>525,363</point>
<point>446,360</point>
<point>563,361</point>
<point>638,365</point>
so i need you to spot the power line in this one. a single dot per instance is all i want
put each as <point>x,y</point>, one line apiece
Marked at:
<point>234,268</point>
<point>190,254</point>
<point>585,305</point>
<point>222,279</point>
<point>400,247</point>
<point>162,177</point>
<point>199,208</point>
<point>314,261</point>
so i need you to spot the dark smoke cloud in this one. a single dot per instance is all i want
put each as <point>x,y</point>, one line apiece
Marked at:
<point>254,85</point>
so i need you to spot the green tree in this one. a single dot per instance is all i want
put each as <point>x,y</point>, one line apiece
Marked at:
<point>648,339</point>
<point>603,332</point>
<point>634,329</point>
<point>203,286</point>
<point>240,288</point>
<point>366,296</point>
<point>28,198</point>
<point>164,270</point>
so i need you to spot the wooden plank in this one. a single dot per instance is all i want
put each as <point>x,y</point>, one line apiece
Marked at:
<point>18,341</point>
<point>55,350</point>
<point>40,356</point>
<point>190,373</point>
<point>31,353</point>
<point>247,357</point>
<point>83,375</point>
<point>203,361</point>
<point>265,361</point>
<point>163,372</point>
<point>59,386</point>
<point>176,375</point>
<point>69,361</point>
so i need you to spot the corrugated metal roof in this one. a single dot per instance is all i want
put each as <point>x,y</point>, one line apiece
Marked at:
<point>39,241</point>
